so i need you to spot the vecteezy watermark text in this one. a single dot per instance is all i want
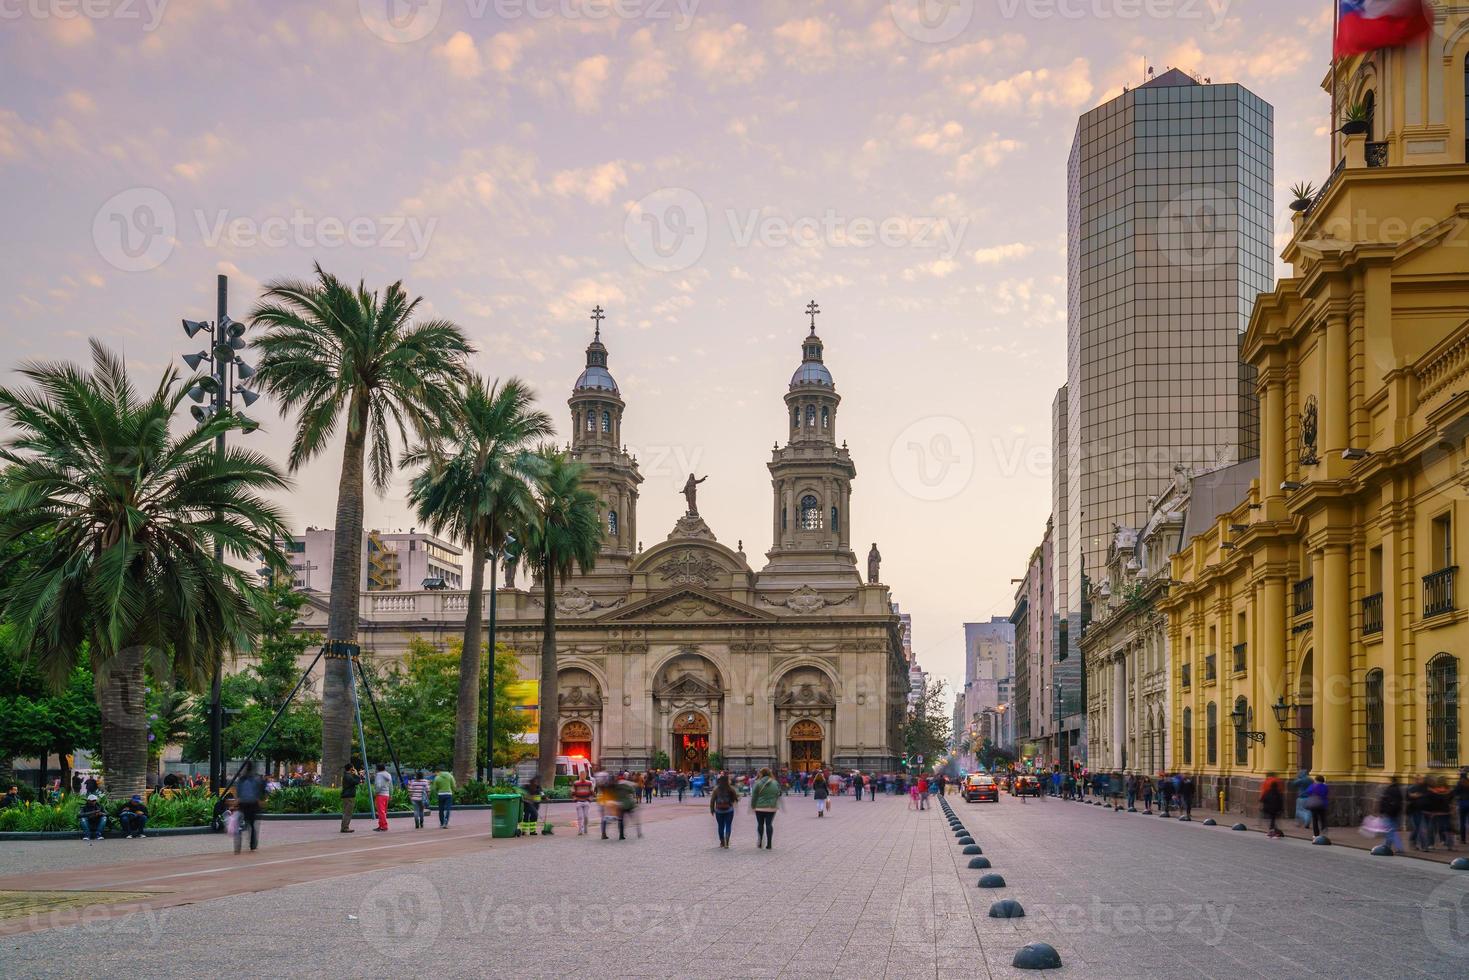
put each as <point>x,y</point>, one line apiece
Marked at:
<point>136,230</point>
<point>407,21</point>
<point>305,230</point>
<point>150,12</point>
<point>670,228</point>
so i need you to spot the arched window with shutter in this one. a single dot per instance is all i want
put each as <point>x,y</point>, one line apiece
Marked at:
<point>1376,732</point>
<point>1241,743</point>
<point>1443,710</point>
<point>810,513</point>
<point>1188,736</point>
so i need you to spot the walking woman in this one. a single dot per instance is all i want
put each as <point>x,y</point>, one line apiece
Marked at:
<point>765,800</point>
<point>1147,787</point>
<point>722,804</point>
<point>1316,796</point>
<point>1301,784</point>
<point>819,790</point>
<point>1272,803</point>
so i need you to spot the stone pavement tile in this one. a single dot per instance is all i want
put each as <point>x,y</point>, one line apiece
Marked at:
<point>698,911</point>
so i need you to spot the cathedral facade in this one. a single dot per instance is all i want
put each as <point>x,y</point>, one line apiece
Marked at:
<point>685,648</point>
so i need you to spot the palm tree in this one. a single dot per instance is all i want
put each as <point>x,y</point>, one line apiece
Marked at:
<point>129,578</point>
<point>564,533</point>
<point>476,486</point>
<point>329,351</point>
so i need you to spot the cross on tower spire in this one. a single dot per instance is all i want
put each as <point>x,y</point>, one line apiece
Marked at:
<point>811,310</point>
<point>599,316</point>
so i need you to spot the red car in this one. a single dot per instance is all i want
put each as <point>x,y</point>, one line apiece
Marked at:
<point>979,788</point>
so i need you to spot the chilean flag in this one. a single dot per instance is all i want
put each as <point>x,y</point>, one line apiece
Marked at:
<point>1366,25</point>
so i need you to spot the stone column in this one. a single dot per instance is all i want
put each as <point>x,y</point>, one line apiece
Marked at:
<point>1119,709</point>
<point>1272,628</point>
<point>1334,387</point>
<point>1333,665</point>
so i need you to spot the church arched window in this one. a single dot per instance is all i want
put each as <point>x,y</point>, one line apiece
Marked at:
<point>606,421</point>
<point>825,417</point>
<point>810,513</point>
<point>591,421</point>
<point>795,418</point>
<point>784,519</point>
<point>836,520</point>
<point>612,522</point>
<point>810,416</point>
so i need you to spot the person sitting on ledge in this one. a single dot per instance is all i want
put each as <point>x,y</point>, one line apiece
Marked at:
<point>134,817</point>
<point>92,818</point>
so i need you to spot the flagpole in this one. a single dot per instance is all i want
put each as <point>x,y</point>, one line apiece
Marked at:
<point>1331,129</point>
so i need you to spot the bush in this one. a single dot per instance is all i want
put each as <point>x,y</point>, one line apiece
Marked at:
<point>304,799</point>
<point>474,792</point>
<point>192,808</point>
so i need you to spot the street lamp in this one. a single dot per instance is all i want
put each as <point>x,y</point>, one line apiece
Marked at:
<point>1241,718</point>
<point>226,340</point>
<point>1286,711</point>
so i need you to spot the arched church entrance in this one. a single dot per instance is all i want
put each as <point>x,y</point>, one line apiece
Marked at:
<point>580,702</point>
<point>688,694</point>
<point>1305,713</point>
<point>690,742</point>
<point>806,745</point>
<point>805,709</point>
<point>576,740</point>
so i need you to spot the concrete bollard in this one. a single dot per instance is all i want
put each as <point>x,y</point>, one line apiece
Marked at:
<point>1037,956</point>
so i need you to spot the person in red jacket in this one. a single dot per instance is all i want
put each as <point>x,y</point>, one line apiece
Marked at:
<point>1272,802</point>
<point>923,792</point>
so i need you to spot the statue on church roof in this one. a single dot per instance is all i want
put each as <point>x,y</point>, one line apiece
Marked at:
<point>691,492</point>
<point>874,563</point>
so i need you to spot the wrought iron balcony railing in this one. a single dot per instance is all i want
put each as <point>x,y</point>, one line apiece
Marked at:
<point>1438,592</point>
<point>1372,615</point>
<point>1305,596</point>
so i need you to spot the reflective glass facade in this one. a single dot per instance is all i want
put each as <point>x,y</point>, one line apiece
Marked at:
<point>1170,241</point>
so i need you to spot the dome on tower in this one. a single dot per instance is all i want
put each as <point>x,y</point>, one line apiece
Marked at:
<point>596,377</point>
<point>812,371</point>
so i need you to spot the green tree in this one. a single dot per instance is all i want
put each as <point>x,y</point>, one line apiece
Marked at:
<point>565,533</point>
<point>252,697</point>
<point>475,485</point>
<point>355,360</point>
<point>35,718</point>
<point>134,514</point>
<point>926,731</point>
<point>418,697</point>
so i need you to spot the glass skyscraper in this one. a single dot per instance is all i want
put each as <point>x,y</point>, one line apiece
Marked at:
<point>1169,242</point>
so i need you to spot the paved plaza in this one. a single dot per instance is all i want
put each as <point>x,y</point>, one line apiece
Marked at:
<point>874,890</point>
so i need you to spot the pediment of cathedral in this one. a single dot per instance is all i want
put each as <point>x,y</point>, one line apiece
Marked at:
<point>688,604</point>
<point>689,561</point>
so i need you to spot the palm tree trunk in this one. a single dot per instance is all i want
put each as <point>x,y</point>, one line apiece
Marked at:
<point>342,612</point>
<point>548,712</point>
<point>466,712</point>
<point>124,735</point>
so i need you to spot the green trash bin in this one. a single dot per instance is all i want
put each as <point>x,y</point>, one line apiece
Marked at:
<point>505,814</point>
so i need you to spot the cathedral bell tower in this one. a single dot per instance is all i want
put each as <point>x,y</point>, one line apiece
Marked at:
<point>611,473</point>
<point>812,476</point>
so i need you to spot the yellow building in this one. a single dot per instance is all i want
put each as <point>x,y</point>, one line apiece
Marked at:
<point>1322,624</point>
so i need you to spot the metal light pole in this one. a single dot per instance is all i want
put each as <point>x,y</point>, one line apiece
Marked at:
<point>226,338</point>
<point>490,666</point>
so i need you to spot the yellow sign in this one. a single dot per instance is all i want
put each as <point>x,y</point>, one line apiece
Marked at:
<point>526,696</point>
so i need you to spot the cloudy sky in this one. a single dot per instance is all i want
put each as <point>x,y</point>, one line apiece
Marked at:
<point>700,169</point>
